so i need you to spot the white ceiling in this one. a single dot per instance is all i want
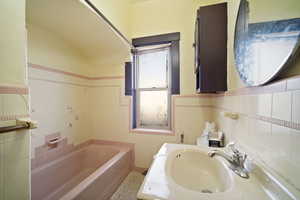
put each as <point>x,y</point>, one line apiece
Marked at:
<point>78,25</point>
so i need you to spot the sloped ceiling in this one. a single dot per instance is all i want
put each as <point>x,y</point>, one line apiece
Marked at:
<point>77,24</point>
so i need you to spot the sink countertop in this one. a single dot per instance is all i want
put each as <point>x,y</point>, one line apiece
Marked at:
<point>159,185</point>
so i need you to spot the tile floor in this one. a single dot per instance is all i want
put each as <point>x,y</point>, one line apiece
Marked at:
<point>129,188</point>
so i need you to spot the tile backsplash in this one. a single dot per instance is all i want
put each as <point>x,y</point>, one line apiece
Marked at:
<point>296,106</point>
<point>268,127</point>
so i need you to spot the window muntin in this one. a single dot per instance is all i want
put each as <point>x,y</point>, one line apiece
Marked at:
<point>153,91</point>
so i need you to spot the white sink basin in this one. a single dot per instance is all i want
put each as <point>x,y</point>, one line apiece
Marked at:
<point>186,172</point>
<point>195,170</point>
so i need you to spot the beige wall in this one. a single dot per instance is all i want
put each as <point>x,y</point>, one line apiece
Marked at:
<point>276,10</point>
<point>14,146</point>
<point>292,70</point>
<point>117,12</point>
<point>109,66</point>
<point>48,49</point>
<point>13,43</point>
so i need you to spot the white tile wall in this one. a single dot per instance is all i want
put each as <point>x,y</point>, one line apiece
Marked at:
<point>264,107</point>
<point>1,107</point>
<point>282,106</point>
<point>296,107</point>
<point>259,138</point>
<point>241,131</point>
<point>14,151</point>
<point>280,143</point>
<point>16,175</point>
<point>14,104</point>
<point>59,105</point>
<point>294,156</point>
<point>277,146</point>
<point>1,169</point>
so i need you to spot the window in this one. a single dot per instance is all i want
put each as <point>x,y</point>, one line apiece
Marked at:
<point>151,79</point>
<point>153,88</point>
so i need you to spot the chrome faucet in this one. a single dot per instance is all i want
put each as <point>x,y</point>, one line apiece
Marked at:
<point>236,159</point>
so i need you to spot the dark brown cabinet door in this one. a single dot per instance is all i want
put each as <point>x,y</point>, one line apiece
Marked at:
<point>211,49</point>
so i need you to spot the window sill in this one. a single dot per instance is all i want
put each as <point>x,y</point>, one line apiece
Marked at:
<point>153,131</point>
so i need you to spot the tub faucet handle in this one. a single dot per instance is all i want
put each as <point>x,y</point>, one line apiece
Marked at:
<point>182,138</point>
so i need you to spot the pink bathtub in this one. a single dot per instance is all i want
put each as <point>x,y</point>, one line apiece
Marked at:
<point>92,172</point>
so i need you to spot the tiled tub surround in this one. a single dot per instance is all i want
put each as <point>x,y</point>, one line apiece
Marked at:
<point>58,103</point>
<point>91,170</point>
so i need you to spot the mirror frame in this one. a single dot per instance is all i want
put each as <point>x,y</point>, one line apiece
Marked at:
<point>243,6</point>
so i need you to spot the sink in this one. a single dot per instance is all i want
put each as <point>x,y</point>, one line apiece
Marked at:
<point>195,170</point>
<point>181,171</point>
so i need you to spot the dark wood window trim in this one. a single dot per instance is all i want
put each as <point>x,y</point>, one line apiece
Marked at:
<point>170,38</point>
<point>156,39</point>
<point>128,78</point>
<point>173,39</point>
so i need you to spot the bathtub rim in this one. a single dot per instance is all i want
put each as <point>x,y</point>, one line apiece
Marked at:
<point>121,147</point>
<point>93,176</point>
<point>70,154</point>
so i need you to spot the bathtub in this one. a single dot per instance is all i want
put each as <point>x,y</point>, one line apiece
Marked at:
<point>93,172</point>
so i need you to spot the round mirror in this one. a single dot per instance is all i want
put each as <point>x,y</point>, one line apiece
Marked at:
<point>267,37</point>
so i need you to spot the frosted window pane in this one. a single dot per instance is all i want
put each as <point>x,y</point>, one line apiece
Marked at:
<point>154,108</point>
<point>153,69</point>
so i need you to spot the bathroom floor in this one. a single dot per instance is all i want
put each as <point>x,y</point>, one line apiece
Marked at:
<point>129,188</point>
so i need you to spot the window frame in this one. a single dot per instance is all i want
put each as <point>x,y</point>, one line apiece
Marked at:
<point>174,82</point>
<point>154,48</point>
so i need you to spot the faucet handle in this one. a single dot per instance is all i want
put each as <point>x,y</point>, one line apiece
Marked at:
<point>244,157</point>
<point>231,145</point>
